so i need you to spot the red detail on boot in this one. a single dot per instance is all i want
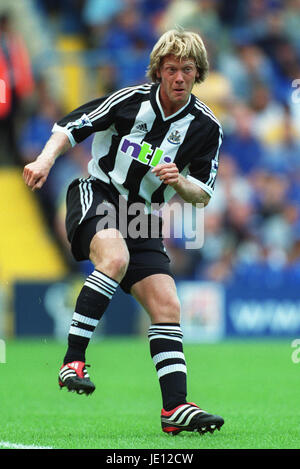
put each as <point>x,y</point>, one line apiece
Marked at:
<point>77,367</point>
<point>168,413</point>
<point>170,429</point>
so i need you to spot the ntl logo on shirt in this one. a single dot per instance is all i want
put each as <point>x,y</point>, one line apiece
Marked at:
<point>144,152</point>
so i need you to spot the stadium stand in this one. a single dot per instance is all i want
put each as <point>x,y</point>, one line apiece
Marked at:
<point>27,250</point>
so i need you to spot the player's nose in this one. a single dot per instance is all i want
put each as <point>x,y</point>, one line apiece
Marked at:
<point>179,77</point>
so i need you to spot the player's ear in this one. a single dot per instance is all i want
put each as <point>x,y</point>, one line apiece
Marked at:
<point>158,74</point>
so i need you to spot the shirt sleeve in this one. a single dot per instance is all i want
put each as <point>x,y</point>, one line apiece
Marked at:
<point>204,167</point>
<point>91,117</point>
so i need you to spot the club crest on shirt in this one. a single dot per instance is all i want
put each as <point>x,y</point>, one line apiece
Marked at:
<point>174,137</point>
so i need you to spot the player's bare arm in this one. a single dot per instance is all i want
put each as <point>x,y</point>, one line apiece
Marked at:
<point>188,191</point>
<point>36,173</point>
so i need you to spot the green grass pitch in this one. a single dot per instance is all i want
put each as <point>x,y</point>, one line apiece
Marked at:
<point>253,385</point>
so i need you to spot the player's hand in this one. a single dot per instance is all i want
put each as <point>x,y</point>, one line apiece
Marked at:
<point>36,173</point>
<point>167,172</point>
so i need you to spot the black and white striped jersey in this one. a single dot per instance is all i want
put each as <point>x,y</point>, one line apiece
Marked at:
<point>132,135</point>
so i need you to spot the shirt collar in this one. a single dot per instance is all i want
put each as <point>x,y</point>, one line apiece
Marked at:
<point>158,107</point>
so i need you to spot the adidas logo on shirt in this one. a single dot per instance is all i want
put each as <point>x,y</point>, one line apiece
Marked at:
<point>142,127</point>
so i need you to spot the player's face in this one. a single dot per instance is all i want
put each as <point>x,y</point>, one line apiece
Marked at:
<point>177,80</point>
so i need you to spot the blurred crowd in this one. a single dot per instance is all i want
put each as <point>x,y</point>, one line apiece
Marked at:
<point>252,224</point>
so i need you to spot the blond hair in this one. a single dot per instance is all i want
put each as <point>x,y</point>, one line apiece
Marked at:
<point>183,45</point>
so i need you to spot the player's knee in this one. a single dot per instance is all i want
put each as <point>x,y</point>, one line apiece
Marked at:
<point>115,265</point>
<point>110,257</point>
<point>168,310</point>
<point>118,264</point>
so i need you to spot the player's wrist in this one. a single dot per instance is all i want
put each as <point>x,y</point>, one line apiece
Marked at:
<point>46,159</point>
<point>179,185</point>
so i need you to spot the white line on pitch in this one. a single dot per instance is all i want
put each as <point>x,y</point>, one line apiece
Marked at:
<point>8,444</point>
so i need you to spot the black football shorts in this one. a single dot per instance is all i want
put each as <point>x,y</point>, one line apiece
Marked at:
<point>93,205</point>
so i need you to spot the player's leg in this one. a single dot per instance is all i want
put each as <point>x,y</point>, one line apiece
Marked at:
<point>157,294</point>
<point>92,230</point>
<point>109,255</point>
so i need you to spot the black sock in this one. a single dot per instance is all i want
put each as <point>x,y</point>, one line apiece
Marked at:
<point>91,303</point>
<point>167,354</point>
